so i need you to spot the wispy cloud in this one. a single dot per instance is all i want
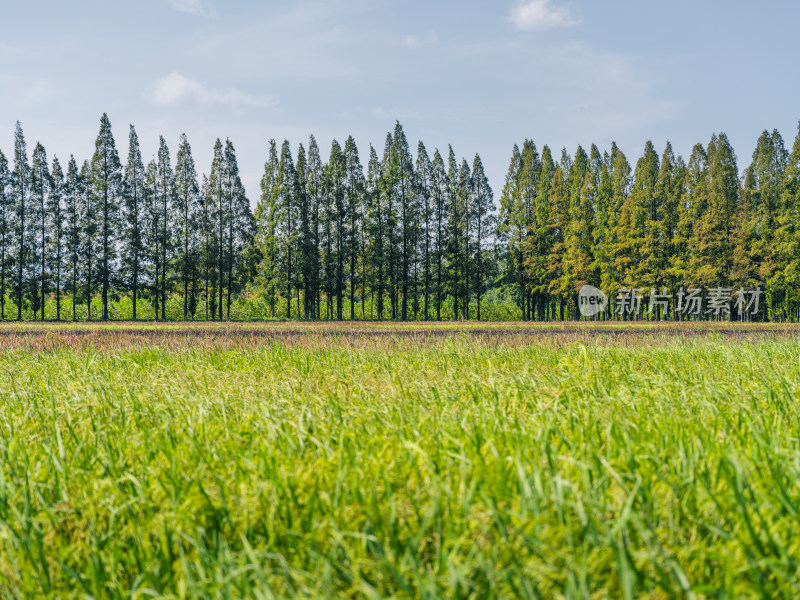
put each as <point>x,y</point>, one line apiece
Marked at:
<point>8,49</point>
<point>309,40</point>
<point>602,93</point>
<point>540,14</point>
<point>174,89</point>
<point>201,8</point>
<point>414,41</point>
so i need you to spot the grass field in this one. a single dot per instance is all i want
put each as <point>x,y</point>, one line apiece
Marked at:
<point>399,461</point>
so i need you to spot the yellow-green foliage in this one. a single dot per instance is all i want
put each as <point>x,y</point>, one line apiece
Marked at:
<point>398,462</point>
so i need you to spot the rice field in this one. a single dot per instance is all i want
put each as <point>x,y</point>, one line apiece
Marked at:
<point>483,460</point>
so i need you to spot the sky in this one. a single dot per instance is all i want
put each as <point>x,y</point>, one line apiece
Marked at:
<point>479,75</point>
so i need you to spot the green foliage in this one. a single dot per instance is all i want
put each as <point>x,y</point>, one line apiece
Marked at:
<point>411,234</point>
<point>142,462</point>
<point>105,191</point>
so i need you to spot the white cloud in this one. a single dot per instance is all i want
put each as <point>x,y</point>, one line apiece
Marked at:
<point>176,89</point>
<point>200,8</point>
<point>540,14</point>
<point>413,41</point>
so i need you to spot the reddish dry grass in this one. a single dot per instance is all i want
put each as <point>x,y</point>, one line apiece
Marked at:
<point>121,336</point>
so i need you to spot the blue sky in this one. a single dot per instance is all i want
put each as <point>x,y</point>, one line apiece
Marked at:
<point>478,75</point>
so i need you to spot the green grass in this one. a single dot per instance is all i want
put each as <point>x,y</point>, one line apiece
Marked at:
<point>333,462</point>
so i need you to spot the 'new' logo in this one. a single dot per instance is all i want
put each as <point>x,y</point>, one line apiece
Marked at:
<point>591,301</point>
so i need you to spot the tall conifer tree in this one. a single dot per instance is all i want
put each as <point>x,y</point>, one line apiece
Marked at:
<point>90,238</point>
<point>354,199</point>
<point>23,230</point>
<point>440,220</point>
<point>287,221</point>
<point>73,222</point>
<point>40,190</point>
<point>512,230</point>
<point>239,226</point>
<point>134,221</point>
<point>376,229</point>
<point>424,182</point>
<point>187,225</point>
<point>266,223</point>
<point>57,238</point>
<point>106,184</point>
<point>314,189</point>
<point>305,243</point>
<point>400,180</point>
<point>6,216</point>
<point>483,223</point>
<point>335,232</point>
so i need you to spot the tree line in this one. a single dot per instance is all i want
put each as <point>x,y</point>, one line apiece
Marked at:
<point>104,229</point>
<point>664,224</point>
<point>403,237</point>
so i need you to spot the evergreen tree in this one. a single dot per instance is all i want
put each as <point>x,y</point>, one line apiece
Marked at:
<point>187,225</point>
<point>266,228</point>
<point>6,216</point>
<point>559,225</point>
<point>756,220</point>
<point>73,223</point>
<point>604,222</point>
<point>462,275</point>
<point>56,231</point>
<point>440,206</point>
<point>334,228</point>
<point>305,237</point>
<point>400,180</point>
<point>106,188</point>
<point>392,226</point>
<point>90,234</point>
<point>135,221</point>
<point>208,245</point>
<point>220,222</point>
<point>782,274</point>
<point>714,225</point>
<point>23,230</point>
<point>240,227</point>
<point>671,191</point>
<point>152,265</point>
<point>483,222</point>
<point>696,203</point>
<point>528,188</point>
<point>354,198</point>
<point>424,189</point>
<point>655,183</point>
<point>620,175</point>
<point>40,190</point>
<point>577,264</point>
<point>287,220</point>
<point>314,180</point>
<point>512,229</point>
<point>455,230</point>
<point>637,254</point>
<point>376,230</point>
<point>538,242</point>
<point>164,220</point>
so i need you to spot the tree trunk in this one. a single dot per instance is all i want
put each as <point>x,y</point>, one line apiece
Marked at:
<point>43,260</point>
<point>89,292</point>
<point>21,253</point>
<point>58,290</point>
